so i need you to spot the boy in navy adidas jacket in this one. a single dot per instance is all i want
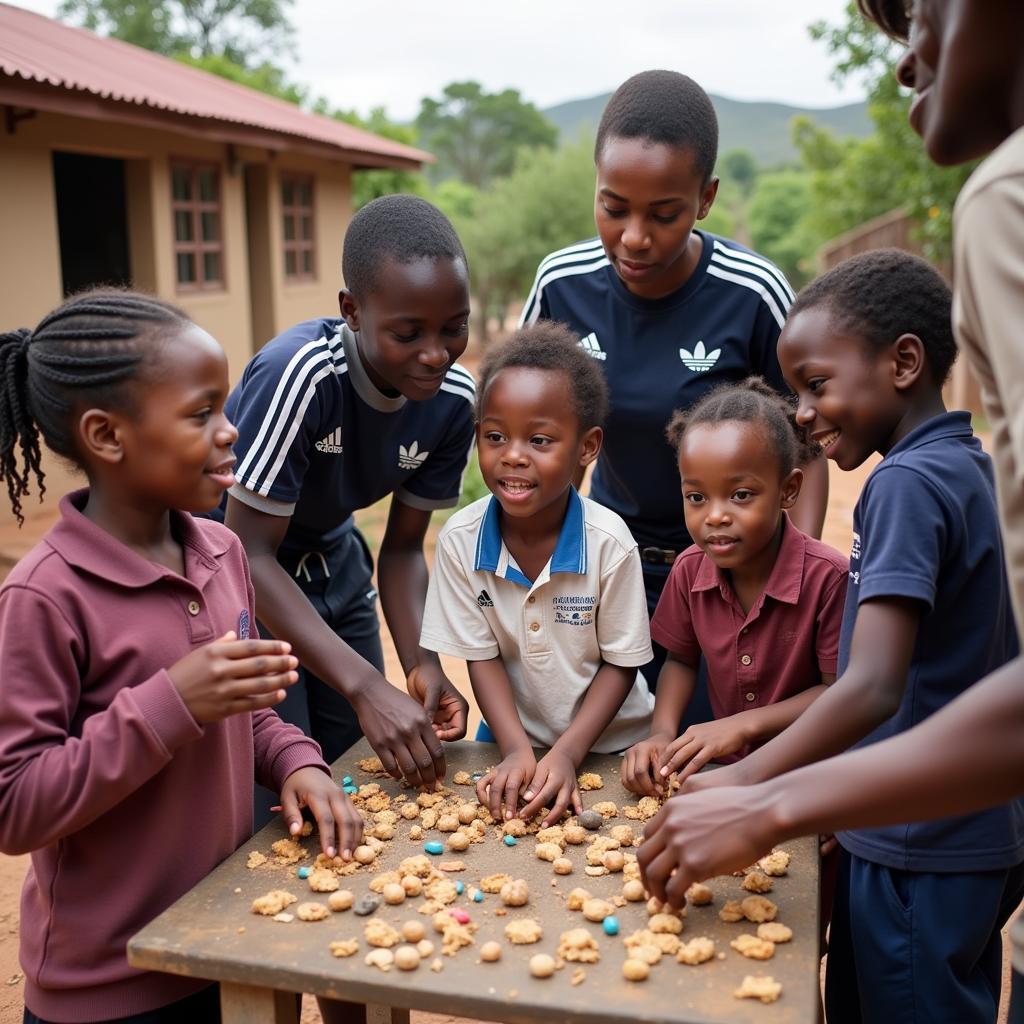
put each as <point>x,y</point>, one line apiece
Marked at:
<point>333,415</point>
<point>667,310</point>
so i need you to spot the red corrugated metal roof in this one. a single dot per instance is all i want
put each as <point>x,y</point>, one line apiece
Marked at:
<point>37,49</point>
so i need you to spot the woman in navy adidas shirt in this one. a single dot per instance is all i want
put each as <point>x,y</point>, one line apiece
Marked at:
<point>669,311</point>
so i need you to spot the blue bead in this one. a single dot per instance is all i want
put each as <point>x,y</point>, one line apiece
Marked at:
<point>511,840</point>
<point>303,872</point>
<point>351,790</point>
<point>460,888</point>
<point>347,781</point>
<point>433,848</point>
<point>610,925</point>
<point>478,896</point>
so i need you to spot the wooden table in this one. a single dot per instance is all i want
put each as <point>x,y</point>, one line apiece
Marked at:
<point>212,933</point>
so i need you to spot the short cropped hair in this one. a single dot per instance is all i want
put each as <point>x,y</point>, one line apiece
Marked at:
<point>402,228</point>
<point>665,107</point>
<point>884,293</point>
<point>750,401</point>
<point>551,346</point>
<point>891,16</point>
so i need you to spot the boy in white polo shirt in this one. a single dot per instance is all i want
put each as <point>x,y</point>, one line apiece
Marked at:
<point>540,590</point>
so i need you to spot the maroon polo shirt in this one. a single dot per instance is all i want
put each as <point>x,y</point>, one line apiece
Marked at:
<point>782,646</point>
<point>124,800</point>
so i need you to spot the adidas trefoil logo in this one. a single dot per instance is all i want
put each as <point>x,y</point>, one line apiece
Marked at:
<point>484,600</point>
<point>700,360</point>
<point>592,347</point>
<point>411,457</point>
<point>331,444</point>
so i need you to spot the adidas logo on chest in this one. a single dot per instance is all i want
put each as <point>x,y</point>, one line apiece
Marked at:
<point>331,444</point>
<point>592,347</point>
<point>411,457</point>
<point>484,599</point>
<point>700,360</point>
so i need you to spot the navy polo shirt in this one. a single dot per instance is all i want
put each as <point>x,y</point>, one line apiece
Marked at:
<point>317,440</point>
<point>660,355</point>
<point>926,527</point>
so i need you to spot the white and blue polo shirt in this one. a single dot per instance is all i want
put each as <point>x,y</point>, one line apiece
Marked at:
<point>926,528</point>
<point>317,440</point>
<point>660,355</point>
<point>586,607</point>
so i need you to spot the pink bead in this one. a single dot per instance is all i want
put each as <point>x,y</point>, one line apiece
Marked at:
<point>460,915</point>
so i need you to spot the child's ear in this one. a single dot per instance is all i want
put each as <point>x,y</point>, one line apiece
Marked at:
<point>908,361</point>
<point>590,445</point>
<point>349,307</point>
<point>791,487</point>
<point>707,198</point>
<point>99,433</point>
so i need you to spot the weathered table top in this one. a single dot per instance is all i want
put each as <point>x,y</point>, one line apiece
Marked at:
<point>212,933</point>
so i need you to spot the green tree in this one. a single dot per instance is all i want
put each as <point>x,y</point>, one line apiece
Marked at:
<point>544,204</point>
<point>777,224</point>
<point>264,77</point>
<point>247,32</point>
<point>739,167</point>
<point>476,135</point>
<point>854,181</point>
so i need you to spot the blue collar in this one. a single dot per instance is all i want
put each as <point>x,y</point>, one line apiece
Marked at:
<point>570,554</point>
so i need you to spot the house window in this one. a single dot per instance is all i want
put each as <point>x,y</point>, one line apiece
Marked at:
<point>198,226</point>
<point>297,210</point>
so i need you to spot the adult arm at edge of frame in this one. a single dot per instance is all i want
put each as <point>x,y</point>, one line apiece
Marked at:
<point>966,757</point>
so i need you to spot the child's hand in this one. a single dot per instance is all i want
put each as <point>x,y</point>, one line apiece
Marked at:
<point>499,789</point>
<point>641,764</point>
<point>447,708</point>
<point>555,777</point>
<point>230,676</point>
<point>699,745</point>
<point>340,824</point>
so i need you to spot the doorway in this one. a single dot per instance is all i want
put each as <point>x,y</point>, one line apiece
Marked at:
<point>92,222</point>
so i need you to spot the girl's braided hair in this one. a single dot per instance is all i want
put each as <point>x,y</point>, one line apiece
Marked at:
<point>82,354</point>
<point>750,401</point>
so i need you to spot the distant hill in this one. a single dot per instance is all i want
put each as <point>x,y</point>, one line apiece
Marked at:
<point>763,128</point>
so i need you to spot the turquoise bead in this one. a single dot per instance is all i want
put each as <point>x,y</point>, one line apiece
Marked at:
<point>460,888</point>
<point>610,925</point>
<point>351,790</point>
<point>347,781</point>
<point>478,896</point>
<point>303,872</point>
<point>511,840</point>
<point>433,848</point>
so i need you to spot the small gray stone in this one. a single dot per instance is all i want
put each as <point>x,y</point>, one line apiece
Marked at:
<point>366,905</point>
<point>590,820</point>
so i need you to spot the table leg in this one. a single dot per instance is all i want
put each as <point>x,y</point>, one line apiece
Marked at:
<point>250,1004</point>
<point>386,1015</point>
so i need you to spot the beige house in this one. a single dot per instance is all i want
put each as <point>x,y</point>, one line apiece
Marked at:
<point>119,165</point>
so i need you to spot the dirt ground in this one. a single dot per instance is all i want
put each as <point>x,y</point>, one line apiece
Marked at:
<point>844,488</point>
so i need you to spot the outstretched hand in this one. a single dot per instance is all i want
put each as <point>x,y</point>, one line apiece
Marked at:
<point>447,708</point>
<point>339,823</point>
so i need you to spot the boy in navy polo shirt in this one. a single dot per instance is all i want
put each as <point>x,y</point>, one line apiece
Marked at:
<point>918,911</point>
<point>333,415</point>
<point>668,311</point>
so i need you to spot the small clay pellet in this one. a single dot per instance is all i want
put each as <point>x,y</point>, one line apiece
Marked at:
<point>413,931</point>
<point>490,952</point>
<point>635,970</point>
<point>542,965</point>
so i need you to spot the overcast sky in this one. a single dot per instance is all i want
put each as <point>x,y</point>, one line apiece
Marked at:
<point>393,52</point>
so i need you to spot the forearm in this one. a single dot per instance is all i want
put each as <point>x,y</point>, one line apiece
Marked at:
<point>676,683</point>
<point>604,697</point>
<point>287,612</point>
<point>494,697</point>
<point>759,725</point>
<point>402,578</point>
<point>964,758</point>
<point>808,514</point>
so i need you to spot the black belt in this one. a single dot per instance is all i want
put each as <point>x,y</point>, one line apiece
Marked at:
<point>658,556</point>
